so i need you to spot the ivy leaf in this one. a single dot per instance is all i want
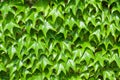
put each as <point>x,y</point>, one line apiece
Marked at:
<point>97,34</point>
<point>117,59</point>
<point>108,74</point>
<point>56,13</point>
<point>11,51</point>
<point>88,54</point>
<point>10,26</point>
<point>60,67</point>
<point>100,58</point>
<point>85,74</point>
<point>2,67</point>
<point>6,8</point>
<point>71,64</point>
<point>44,62</point>
<point>46,27</point>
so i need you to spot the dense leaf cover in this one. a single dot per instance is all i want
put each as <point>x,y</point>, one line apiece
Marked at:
<point>59,39</point>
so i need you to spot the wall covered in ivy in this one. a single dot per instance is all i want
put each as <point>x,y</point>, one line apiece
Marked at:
<point>59,40</point>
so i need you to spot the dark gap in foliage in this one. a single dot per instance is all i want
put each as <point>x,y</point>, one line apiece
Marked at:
<point>40,33</point>
<point>37,71</point>
<point>31,50</point>
<point>9,17</point>
<point>112,38</point>
<point>33,10</point>
<point>4,75</point>
<point>41,14</point>
<point>77,41</point>
<point>65,14</point>
<point>14,8</point>
<point>105,26</point>
<point>93,43</point>
<point>79,14</point>
<point>100,77</point>
<point>93,12</point>
<point>24,56</point>
<point>30,3</point>
<point>90,6</point>
<point>112,6</point>
<point>20,23</point>
<point>42,40</point>
<point>86,11</point>
<point>82,63</point>
<point>106,62</point>
<point>101,46</point>
<point>98,49</point>
<point>75,28</point>
<point>33,32</point>
<point>86,36</point>
<point>51,34</point>
<point>17,32</point>
<point>46,70</point>
<point>28,61</point>
<point>104,4</point>
<point>60,37</point>
<point>45,78</point>
<point>40,51</point>
<point>54,71</point>
<point>1,17</point>
<point>59,21</point>
<point>51,4</point>
<point>60,61</point>
<point>91,27</point>
<point>61,75</point>
<point>70,35</point>
<point>113,65</point>
<point>38,23</point>
<point>30,75</point>
<point>49,19</point>
<point>0,12</point>
<point>73,72</point>
<point>116,13</point>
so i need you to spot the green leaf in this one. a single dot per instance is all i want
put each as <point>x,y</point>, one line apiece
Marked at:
<point>97,34</point>
<point>100,58</point>
<point>117,59</point>
<point>56,13</point>
<point>71,64</point>
<point>85,74</point>
<point>44,62</point>
<point>2,67</point>
<point>11,51</point>
<point>108,74</point>
<point>88,54</point>
<point>46,27</point>
<point>60,68</point>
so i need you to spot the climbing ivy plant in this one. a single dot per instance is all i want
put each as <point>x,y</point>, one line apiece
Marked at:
<point>59,39</point>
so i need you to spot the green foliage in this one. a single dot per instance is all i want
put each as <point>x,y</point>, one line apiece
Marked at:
<point>59,39</point>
